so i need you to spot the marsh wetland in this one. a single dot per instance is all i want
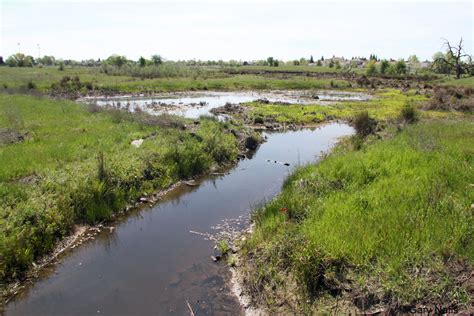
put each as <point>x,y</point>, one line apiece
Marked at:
<point>137,195</point>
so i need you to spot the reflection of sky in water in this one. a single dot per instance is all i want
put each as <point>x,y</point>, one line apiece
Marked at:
<point>193,105</point>
<point>151,263</point>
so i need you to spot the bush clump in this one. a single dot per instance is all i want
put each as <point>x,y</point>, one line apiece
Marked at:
<point>408,114</point>
<point>31,85</point>
<point>363,124</point>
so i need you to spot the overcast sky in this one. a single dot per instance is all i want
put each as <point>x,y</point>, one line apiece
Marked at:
<point>243,30</point>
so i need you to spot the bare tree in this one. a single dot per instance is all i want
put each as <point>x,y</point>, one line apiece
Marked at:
<point>455,58</point>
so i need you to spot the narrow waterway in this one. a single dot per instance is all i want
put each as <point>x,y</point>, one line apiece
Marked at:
<point>152,264</point>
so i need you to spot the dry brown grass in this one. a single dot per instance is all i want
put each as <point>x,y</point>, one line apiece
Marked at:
<point>452,99</point>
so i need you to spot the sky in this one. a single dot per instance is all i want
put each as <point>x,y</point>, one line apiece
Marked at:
<point>243,30</point>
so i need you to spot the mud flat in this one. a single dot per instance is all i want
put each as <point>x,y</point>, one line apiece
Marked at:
<point>194,104</point>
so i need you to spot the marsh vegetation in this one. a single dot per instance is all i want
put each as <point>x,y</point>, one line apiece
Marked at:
<point>385,220</point>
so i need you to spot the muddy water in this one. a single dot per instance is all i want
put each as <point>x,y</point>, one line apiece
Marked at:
<point>195,104</point>
<point>151,263</point>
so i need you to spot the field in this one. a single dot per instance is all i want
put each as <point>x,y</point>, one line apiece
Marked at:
<point>42,80</point>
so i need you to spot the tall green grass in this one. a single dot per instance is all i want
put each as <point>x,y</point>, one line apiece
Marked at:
<point>395,214</point>
<point>77,165</point>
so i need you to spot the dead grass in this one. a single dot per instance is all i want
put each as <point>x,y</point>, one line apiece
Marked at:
<point>452,99</point>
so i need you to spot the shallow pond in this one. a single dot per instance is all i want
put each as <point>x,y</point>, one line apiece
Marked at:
<point>152,263</point>
<point>195,104</point>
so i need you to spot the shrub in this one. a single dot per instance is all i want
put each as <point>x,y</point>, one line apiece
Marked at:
<point>364,124</point>
<point>258,120</point>
<point>224,247</point>
<point>231,261</point>
<point>408,114</point>
<point>400,67</point>
<point>31,85</point>
<point>371,68</point>
<point>356,142</point>
<point>384,65</point>
<point>89,86</point>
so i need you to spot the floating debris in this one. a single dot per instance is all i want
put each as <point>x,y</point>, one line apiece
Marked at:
<point>279,162</point>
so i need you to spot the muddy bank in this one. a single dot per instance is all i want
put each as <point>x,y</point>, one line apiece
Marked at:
<point>242,112</point>
<point>10,136</point>
<point>348,297</point>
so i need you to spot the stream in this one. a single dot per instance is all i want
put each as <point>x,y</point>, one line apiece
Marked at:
<point>157,260</point>
<point>152,263</point>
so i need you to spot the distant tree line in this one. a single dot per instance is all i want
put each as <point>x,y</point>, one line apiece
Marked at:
<point>386,68</point>
<point>453,61</point>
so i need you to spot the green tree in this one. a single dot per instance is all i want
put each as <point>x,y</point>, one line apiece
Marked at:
<point>142,61</point>
<point>384,65</point>
<point>371,68</point>
<point>373,57</point>
<point>331,64</point>
<point>439,65</point>
<point>117,60</point>
<point>47,60</point>
<point>413,59</point>
<point>20,60</point>
<point>400,67</point>
<point>270,61</point>
<point>414,62</point>
<point>319,63</point>
<point>311,60</point>
<point>156,59</point>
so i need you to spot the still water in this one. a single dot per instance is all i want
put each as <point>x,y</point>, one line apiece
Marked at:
<point>151,263</point>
